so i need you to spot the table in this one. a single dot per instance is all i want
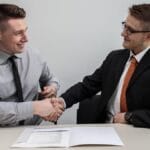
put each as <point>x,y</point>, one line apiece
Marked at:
<point>132,137</point>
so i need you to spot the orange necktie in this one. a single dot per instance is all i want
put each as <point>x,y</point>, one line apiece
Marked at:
<point>123,104</point>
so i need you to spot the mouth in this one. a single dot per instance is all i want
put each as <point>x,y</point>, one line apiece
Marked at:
<point>126,39</point>
<point>21,45</point>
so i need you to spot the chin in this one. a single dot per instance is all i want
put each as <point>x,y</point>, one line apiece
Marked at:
<point>126,45</point>
<point>19,50</point>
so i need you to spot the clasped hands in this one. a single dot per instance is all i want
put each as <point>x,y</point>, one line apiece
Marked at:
<point>49,108</point>
<point>56,110</point>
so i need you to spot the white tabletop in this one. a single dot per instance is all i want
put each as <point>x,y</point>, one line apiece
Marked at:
<point>132,137</point>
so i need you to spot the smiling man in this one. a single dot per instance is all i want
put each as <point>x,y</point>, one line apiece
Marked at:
<point>22,74</point>
<point>124,77</point>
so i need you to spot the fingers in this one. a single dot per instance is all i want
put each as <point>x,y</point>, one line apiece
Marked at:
<point>53,117</point>
<point>50,109</point>
<point>49,91</point>
<point>58,103</point>
<point>42,108</point>
<point>119,118</point>
<point>59,108</point>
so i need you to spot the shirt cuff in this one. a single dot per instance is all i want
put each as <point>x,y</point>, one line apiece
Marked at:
<point>25,110</point>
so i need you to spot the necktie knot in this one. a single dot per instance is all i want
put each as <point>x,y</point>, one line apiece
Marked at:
<point>12,57</point>
<point>133,60</point>
<point>12,60</point>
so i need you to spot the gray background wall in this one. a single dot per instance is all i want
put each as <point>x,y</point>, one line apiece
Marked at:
<point>74,35</point>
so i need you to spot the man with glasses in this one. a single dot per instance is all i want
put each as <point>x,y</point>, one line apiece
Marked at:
<point>124,77</point>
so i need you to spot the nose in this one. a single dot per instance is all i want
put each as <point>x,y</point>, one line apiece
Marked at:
<point>124,33</point>
<point>24,38</point>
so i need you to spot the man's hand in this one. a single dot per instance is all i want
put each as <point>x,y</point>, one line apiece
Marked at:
<point>58,104</point>
<point>49,91</point>
<point>119,118</point>
<point>44,108</point>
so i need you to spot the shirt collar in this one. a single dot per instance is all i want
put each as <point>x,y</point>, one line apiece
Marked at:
<point>4,56</point>
<point>139,56</point>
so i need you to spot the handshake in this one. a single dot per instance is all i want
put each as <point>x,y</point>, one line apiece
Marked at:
<point>50,109</point>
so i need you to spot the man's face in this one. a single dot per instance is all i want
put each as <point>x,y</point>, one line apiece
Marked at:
<point>132,40</point>
<point>13,37</point>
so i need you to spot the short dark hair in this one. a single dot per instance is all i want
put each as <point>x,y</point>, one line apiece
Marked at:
<point>142,13</point>
<point>8,11</point>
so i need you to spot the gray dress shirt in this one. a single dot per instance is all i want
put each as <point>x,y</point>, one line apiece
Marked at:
<point>34,74</point>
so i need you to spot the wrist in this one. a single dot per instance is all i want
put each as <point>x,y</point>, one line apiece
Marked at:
<point>64,103</point>
<point>35,107</point>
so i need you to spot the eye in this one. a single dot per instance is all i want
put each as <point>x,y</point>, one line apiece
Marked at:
<point>127,28</point>
<point>130,30</point>
<point>17,33</point>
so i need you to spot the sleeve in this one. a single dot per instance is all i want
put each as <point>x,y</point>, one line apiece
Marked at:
<point>141,118</point>
<point>88,87</point>
<point>47,77</point>
<point>11,112</point>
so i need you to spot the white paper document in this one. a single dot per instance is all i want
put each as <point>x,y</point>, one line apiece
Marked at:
<point>66,137</point>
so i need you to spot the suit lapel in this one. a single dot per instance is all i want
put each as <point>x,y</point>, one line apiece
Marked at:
<point>120,65</point>
<point>142,66</point>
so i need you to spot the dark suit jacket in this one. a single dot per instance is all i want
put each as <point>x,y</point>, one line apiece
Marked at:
<point>106,78</point>
<point>88,110</point>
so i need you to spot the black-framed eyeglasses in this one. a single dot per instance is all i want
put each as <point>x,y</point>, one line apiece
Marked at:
<point>130,30</point>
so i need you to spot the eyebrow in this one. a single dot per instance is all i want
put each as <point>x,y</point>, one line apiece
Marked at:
<point>125,23</point>
<point>132,30</point>
<point>21,30</point>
